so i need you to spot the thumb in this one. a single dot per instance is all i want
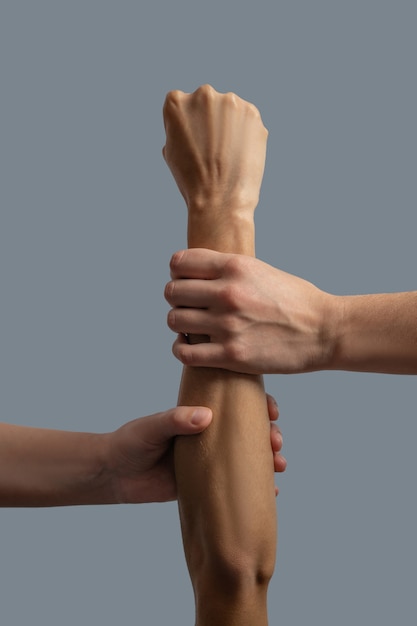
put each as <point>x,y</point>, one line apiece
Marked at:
<point>181,420</point>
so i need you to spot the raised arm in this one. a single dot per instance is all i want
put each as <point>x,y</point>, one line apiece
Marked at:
<point>215,147</point>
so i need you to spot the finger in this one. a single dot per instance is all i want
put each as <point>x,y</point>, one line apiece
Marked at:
<point>280,463</point>
<point>195,293</point>
<point>198,263</point>
<point>276,438</point>
<point>191,322</point>
<point>182,420</point>
<point>200,355</point>
<point>272,407</point>
<point>190,420</point>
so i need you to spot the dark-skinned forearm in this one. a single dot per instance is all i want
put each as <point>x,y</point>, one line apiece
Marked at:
<point>225,476</point>
<point>43,467</point>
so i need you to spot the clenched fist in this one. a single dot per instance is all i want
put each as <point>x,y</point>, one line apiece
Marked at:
<point>215,148</point>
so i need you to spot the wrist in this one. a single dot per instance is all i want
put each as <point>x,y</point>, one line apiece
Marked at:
<point>108,464</point>
<point>221,230</point>
<point>334,321</point>
<point>91,479</point>
<point>231,203</point>
<point>320,325</point>
<point>86,476</point>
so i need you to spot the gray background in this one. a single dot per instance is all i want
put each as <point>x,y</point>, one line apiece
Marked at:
<point>89,218</point>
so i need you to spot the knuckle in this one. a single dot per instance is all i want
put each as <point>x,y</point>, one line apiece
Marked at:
<point>206,90</point>
<point>233,265</point>
<point>253,111</point>
<point>173,99</point>
<point>237,266</point>
<point>230,325</point>
<point>231,295</point>
<point>232,100</point>
<point>235,352</point>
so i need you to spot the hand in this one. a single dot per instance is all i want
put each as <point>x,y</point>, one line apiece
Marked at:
<point>258,318</point>
<point>140,453</point>
<point>215,148</point>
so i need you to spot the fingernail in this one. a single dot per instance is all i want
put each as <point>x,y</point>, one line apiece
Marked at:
<point>199,416</point>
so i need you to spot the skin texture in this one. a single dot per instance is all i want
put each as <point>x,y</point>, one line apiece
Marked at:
<point>262,320</point>
<point>215,148</point>
<point>42,467</point>
<point>134,464</point>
